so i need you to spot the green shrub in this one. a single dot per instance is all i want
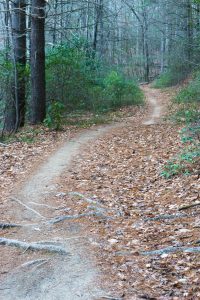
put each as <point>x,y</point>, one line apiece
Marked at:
<point>191,93</point>
<point>188,100</point>
<point>121,92</point>
<point>6,81</point>
<point>54,115</point>
<point>164,80</point>
<point>176,72</point>
<point>169,78</point>
<point>80,83</point>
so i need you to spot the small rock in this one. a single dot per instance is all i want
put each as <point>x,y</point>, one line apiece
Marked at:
<point>164,255</point>
<point>113,241</point>
<point>184,230</point>
<point>61,195</point>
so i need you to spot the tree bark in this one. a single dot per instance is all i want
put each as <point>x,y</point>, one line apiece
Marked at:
<point>38,92</point>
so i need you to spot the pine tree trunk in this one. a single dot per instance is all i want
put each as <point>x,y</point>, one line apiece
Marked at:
<point>38,93</point>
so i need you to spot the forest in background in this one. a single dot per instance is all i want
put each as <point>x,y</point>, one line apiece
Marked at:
<point>61,56</point>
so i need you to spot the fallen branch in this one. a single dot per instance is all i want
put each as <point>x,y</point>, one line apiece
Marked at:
<point>75,217</point>
<point>3,145</point>
<point>189,206</point>
<point>27,207</point>
<point>166,217</point>
<point>9,225</point>
<point>172,250</point>
<point>32,246</point>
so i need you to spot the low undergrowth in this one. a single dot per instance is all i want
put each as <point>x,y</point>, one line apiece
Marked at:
<point>173,76</point>
<point>85,83</point>
<point>187,103</point>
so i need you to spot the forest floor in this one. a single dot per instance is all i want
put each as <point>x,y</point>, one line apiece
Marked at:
<point>100,198</point>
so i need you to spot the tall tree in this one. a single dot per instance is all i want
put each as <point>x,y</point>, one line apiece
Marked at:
<point>38,93</point>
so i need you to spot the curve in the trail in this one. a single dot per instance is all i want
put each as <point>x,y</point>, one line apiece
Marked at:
<point>61,278</point>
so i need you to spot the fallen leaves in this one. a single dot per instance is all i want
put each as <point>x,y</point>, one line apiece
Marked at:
<point>122,170</point>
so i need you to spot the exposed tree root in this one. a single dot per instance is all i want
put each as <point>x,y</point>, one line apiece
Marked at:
<point>166,217</point>
<point>189,206</point>
<point>9,225</point>
<point>3,145</point>
<point>88,200</point>
<point>75,217</point>
<point>33,246</point>
<point>47,206</point>
<point>27,207</point>
<point>172,250</point>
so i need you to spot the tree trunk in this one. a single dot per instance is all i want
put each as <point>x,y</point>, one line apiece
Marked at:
<point>189,32</point>
<point>38,93</point>
<point>15,112</point>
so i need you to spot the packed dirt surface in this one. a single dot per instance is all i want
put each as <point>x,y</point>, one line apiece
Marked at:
<point>70,276</point>
<point>154,100</point>
<point>99,201</point>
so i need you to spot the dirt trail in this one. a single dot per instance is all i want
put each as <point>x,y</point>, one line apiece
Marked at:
<point>153,98</point>
<point>61,277</point>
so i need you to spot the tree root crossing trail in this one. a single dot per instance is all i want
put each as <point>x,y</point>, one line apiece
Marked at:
<point>56,262</point>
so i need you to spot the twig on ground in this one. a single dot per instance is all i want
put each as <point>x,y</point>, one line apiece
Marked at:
<point>37,262</point>
<point>75,217</point>
<point>32,246</point>
<point>172,250</point>
<point>189,206</point>
<point>9,225</point>
<point>27,207</point>
<point>110,298</point>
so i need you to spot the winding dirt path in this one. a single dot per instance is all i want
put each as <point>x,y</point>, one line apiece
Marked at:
<point>68,277</point>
